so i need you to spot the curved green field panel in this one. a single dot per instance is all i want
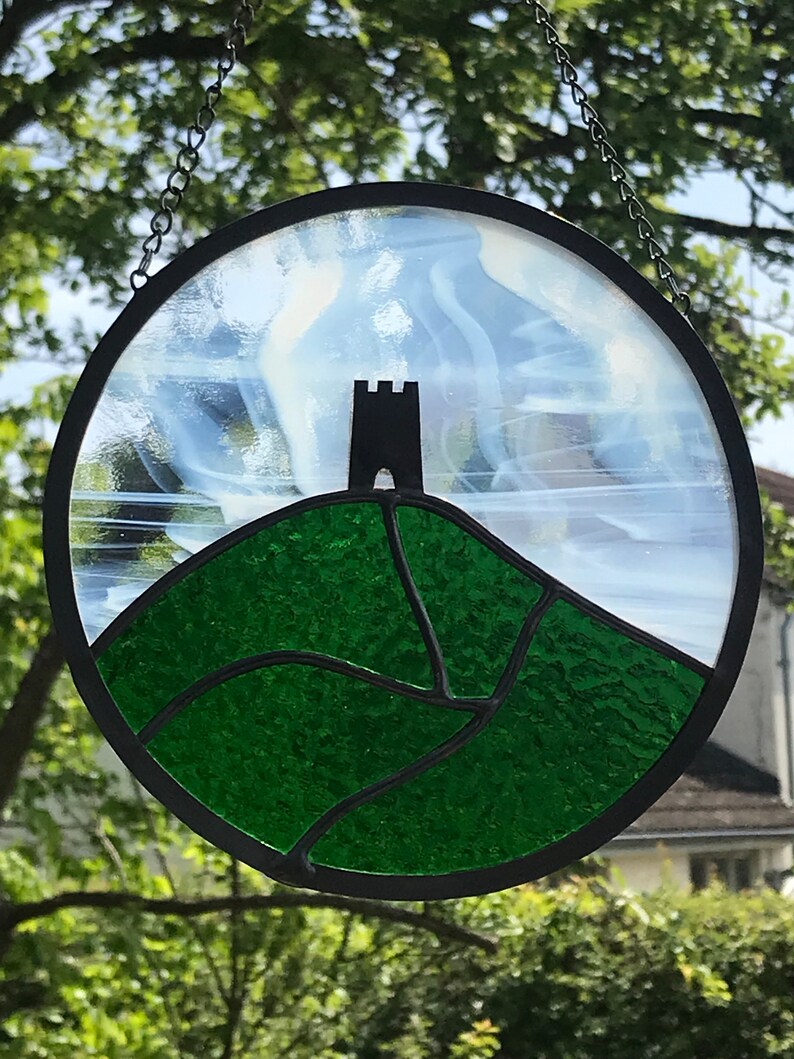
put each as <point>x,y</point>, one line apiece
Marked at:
<point>590,713</point>
<point>272,750</point>
<point>322,581</point>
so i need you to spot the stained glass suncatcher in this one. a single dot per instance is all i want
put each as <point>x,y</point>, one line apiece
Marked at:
<point>404,541</point>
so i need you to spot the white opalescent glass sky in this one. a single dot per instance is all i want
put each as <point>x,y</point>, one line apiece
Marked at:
<point>553,410</point>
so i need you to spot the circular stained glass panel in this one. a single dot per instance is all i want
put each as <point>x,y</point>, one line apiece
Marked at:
<point>404,540</point>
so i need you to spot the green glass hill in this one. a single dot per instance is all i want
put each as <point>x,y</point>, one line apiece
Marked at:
<point>273,749</point>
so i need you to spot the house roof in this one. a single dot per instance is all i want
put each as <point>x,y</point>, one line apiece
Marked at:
<point>719,792</point>
<point>779,486</point>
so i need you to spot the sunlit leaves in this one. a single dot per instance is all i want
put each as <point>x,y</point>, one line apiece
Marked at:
<point>333,91</point>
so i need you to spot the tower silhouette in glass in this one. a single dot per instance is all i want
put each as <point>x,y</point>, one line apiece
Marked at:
<point>385,435</point>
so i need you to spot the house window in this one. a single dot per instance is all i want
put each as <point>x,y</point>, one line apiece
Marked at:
<point>736,871</point>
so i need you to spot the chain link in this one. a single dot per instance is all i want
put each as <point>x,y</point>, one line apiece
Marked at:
<point>187,158</point>
<point>618,175</point>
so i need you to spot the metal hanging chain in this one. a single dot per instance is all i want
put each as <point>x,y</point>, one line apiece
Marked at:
<point>618,175</point>
<point>188,157</point>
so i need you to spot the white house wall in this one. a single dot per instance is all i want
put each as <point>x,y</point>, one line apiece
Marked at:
<point>753,725</point>
<point>644,870</point>
<point>663,864</point>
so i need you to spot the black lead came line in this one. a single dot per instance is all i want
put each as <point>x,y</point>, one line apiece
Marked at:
<point>439,695</point>
<point>403,568</point>
<point>300,658</point>
<point>156,591</point>
<point>541,577</point>
<point>297,858</point>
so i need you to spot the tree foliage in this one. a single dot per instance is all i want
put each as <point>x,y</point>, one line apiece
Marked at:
<point>93,95</point>
<point>579,971</point>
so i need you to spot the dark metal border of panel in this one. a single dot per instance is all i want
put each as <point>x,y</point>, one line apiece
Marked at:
<point>80,657</point>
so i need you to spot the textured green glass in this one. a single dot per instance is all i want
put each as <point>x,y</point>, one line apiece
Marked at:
<point>272,750</point>
<point>590,713</point>
<point>476,601</point>
<point>322,581</point>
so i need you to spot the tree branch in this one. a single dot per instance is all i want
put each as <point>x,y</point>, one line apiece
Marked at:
<point>548,143</point>
<point>19,723</point>
<point>753,232</point>
<point>707,225</point>
<point>13,914</point>
<point>154,46</point>
<point>17,17</point>
<point>758,197</point>
<point>750,124</point>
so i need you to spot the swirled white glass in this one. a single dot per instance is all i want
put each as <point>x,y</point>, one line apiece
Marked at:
<point>553,410</point>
